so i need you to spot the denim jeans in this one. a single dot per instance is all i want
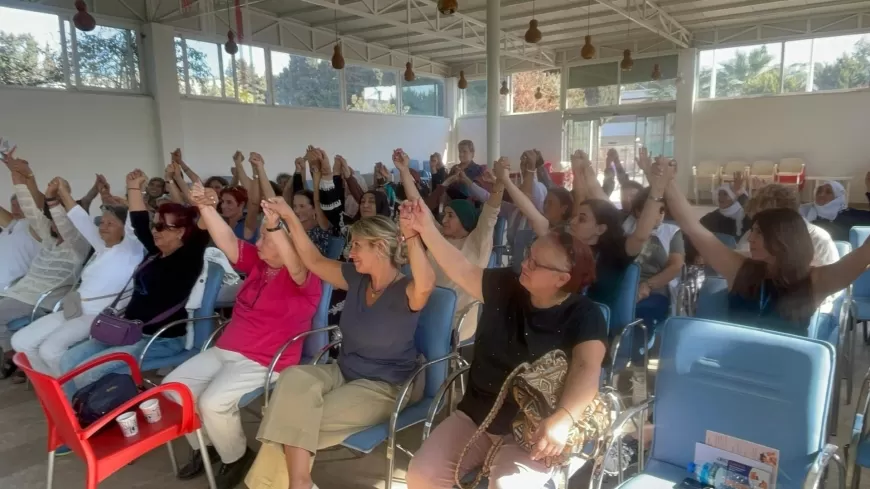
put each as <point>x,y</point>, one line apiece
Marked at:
<point>91,349</point>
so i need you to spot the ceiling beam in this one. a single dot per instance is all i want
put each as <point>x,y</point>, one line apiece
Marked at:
<point>471,35</point>
<point>653,18</point>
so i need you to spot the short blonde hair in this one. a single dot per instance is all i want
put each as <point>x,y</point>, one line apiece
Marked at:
<point>384,233</point>
<point>772,196</point>
<point>466,143</point>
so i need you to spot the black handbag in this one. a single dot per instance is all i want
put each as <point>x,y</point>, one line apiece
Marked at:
<point>94,401</point>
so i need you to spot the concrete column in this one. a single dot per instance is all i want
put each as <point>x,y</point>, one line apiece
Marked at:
<point>684,146</point>
<point>451,101</point>
<point>493,53</point>
<point>162,79</point>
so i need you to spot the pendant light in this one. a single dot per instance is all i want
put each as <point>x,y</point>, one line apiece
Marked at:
<point>463,83</point>
<point>448,7</point>
<point>83,20</point>
<point>533,35</point>
<point>627,63</point>
<point>409,69</point>
<point>337,57</point>
<point>588,50</point>
<point>538,94</point>
<point>504,88</point>
<point>230,46</point>
<point>656,72</point>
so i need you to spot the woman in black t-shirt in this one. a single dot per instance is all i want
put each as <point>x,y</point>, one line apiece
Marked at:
<point>524,317</point>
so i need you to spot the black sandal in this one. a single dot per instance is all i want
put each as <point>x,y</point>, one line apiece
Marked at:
<point>7,369</point>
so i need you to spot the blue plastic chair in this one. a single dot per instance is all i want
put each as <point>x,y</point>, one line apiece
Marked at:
<point>316,340</point>
<point>727,240</point>
<point>433,340</point>
<point>335,248</point>
<point>861,287</point>
<point>204,320</point>
<point>765,387</point>
<point>522,240</point>
<point>624,327</point>
<point>713,299</point>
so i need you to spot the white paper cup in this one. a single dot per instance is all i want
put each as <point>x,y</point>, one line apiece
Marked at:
<point>151,410</point>
<point>129,425</point>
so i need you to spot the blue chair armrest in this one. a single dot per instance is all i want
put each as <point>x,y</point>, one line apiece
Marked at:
<point>858,428</point>
<point>267,381</point>
<point>617,343</point>
<point>820,465</point>
<point>167,326</point>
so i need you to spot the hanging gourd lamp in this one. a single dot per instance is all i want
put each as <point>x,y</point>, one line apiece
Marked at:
<point>448,7</point>
<point>83,20</point>
<point>656,72</point>
<point>337,58</point>
<point>463,83</point>
<point>588,50</point>
<point>538,94</point>
<point>230,46</point>
<point>627,63</point>
<point>504,88</point>
<point>409,72</point>
<point>533,35</point>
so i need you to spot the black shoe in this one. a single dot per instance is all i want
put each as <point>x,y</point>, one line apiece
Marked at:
<point>8,367</point>
<point>231,475</point>
<point>195,467</point>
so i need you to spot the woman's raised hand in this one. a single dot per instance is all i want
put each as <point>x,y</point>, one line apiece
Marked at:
<point>660,175</point>
<point>256,160</point>
<point>400,159</point>
<point>272,217</point>
<point>415,217</point>
<point>238,157</point>
<point>279,206</point>
<point>203,197</point>
<point>502,169</point>
<point>300,165</point>
<point>51,189</point>
<point>135,179</point>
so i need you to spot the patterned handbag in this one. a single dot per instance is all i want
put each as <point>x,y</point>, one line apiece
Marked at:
<point>537,388</point>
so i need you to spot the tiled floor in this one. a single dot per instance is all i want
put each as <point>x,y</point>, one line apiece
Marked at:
<point>23,464</point>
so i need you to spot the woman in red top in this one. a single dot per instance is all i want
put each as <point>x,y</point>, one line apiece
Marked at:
<point>276,302</point>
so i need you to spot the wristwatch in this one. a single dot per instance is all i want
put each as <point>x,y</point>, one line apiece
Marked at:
<point>279,227</point>
<point>660,200</point>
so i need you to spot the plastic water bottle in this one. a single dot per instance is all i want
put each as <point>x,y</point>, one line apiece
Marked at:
<point>710,473</point>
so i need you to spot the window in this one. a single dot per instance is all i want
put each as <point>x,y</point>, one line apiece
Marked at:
<point>179,64</point>
<point>592,85</point>
<point>524,86</point>
<point>250,69</point>
<point>31,49</point>
<point>300,81</point>
<point>203,69</point>
<point>423,96</point>
<point>370,89</point>
<point>639,87</point>
<point>474,98</point>
<point>108,58</point>
<point>831,63</point>
<point>741,71</point>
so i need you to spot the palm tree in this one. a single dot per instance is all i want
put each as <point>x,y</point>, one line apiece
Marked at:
<point>751,73</point>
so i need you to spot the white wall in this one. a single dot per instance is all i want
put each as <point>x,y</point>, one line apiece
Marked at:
<point>76,135</point>
<point>541,130</point>
<point>828,130</point>
<point>213,131</point>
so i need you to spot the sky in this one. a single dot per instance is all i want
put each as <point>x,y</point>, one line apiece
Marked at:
<point>823,50</point>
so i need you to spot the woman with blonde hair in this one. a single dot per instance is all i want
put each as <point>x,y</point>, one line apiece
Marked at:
<point>318,406</point>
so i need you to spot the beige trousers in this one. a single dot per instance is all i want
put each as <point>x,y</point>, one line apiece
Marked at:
<point>314,407</point>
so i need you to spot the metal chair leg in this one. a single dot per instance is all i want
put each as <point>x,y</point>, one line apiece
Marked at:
<point>50,480</point>
<point>172,458</point>
<point>209,473</point>
<point>391,456</point>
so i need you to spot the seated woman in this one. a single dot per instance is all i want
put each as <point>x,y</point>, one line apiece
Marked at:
<point>217,183</point>
<point>730,218</point>
<point>777,287</point>
<point>777,196</point>
<point>462,228</point>
<point>117,253</point>
<point>661,261</point>
<point>831,211</point>
<point>598,223</point>
<point>61,254</point>
<point>276,302</point>
<point>161,284</point>
<point>240,213</point>
<point>318,406</point>
<point>524,317</point>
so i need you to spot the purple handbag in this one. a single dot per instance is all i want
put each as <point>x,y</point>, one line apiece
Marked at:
<point>110,326</point>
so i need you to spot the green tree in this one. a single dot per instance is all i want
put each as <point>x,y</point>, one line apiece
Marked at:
<point>23,62</point>
<point>108,58</point>
<point>379,83</point>
<point>252,86</point>
<point>423,96</point>
<point>307,82</point>
<point>851,70</point>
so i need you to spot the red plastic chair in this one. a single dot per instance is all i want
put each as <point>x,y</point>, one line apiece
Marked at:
<point>101,445</point>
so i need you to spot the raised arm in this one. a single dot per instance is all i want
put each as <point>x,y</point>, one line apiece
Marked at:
<point>175,193</point>
<point>468,276</point>
<point>256,193</point>
<point>326,269</point>
<point>89,197</point>
<point>581,165</point>
<point>139,217</point>
<point>62,201</point>
<point>40,225</point>
<point>521,200</point>
<point>835,277</point>
<point>724,260</point>
<point>423,282</point>
<point>244,179</point>
<point>652,209</point>
<point>316,177</point>
<point>285,247</point>
<point>6,217</point>
<point>206,200</point>
<point>527,171</point>
<point>403,162</point>
<point>178,160</point>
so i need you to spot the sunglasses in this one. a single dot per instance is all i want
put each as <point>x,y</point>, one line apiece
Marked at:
<point>162,226</point>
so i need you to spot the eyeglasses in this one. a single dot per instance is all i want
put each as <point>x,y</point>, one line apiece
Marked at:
<point>162,226</point>
<point>567,242</point>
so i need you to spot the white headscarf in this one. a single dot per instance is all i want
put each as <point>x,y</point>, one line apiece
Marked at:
<point>735,211</point>
<point>830,210</point>
<point>664,232</point>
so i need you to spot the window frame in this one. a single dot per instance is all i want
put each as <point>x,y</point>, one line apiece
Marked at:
<point>74,71</point>
<point>291,52</point>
